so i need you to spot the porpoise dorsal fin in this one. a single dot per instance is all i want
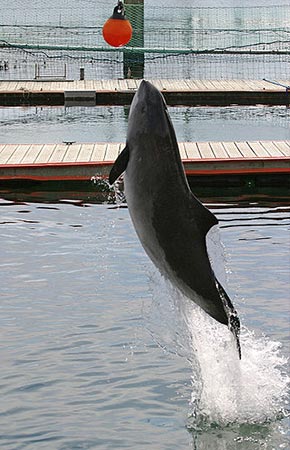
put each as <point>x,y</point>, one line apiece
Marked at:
<point>206,218</point>
<point>120,165</point>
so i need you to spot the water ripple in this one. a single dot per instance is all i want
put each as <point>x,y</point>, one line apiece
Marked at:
<point>93,353</point>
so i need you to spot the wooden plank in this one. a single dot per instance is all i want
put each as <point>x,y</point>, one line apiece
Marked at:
<point>113,85</point>
<point>283,146</point>
<point>158,84</point>
<point>32,153</point>
<point>12,85</point>
<point>131,84</point>
<point>97,85</point>
<point>205,150</point>
<point>209,85</point>
<point>271,149</point>
<point>192,150</point>
<point>19,154</point>
<point>192,85</point>
<point>127,86</point>
<point>224,84</point>
<point>249,85</point>
<point>43,86</point>
<point>182,86</point>
<point>122,146</point>
<point>245,150</point>
<point>217,85</point>
<point>121,85</point>
<point>266,92</point>
<point>273,87</point>
<point>237,85</point>
<point>175,85</point>
<point>45,154</point>
<point>72,152</point>
<point>88,85</point>
<point>166,85</point>
<point>218,150</point>
<point>106,85</point>
<point>58,153</point>
<point>99,151</point>
<point>232,150</point>
<point>182,150</point>
<point>112,151</point>
<point>200,85</point>
<point>258,149</point>
<point>230,85</point>
<point>59,85</point>
<point>169,84</point>
<point>7,152</point>
<point>109,85</point>
<point>85,152</point>
<point>2,146</point>
<point>4,86</point>
<point>33,87</point>
<point>285,83</point>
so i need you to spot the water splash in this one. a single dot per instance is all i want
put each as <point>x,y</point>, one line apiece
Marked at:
<point>114,194</point>
<point>252,390</point>
<point>101,183</point>
<point>120,198</point>
<point>225,390</point>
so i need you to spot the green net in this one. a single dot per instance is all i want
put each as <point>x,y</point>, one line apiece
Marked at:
<point>168,42</point>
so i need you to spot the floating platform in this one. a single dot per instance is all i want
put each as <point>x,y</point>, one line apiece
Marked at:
<point>120,92</point>
<point>82,161</point>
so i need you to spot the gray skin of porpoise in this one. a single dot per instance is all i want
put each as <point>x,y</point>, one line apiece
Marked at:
<point>169,220</point>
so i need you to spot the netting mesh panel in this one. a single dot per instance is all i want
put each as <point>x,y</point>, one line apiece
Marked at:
<point>209,43</point>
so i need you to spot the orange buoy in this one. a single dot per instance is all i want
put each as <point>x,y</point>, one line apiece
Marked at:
<point>117,30</point>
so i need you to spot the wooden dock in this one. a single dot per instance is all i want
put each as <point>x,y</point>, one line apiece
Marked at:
<point>81,161</point>
<point>120,92</point>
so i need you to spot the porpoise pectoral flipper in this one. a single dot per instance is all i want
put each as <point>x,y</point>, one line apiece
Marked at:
<point>119,165</point>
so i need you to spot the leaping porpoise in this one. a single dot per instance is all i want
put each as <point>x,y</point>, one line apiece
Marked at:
<point>170,221</point>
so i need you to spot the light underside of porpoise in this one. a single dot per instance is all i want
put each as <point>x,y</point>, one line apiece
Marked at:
<point>170,221</point>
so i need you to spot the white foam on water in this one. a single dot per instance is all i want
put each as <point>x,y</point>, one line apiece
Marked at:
<point>225,389</point>
<point>250,390</point>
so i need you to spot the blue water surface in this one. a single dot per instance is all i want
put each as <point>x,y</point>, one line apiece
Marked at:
<point>89,356</point>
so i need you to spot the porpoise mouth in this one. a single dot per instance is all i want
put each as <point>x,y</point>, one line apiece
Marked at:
<point>149,102</point>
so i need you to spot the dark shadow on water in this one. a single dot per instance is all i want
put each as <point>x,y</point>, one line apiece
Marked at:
<point>231,189</point>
